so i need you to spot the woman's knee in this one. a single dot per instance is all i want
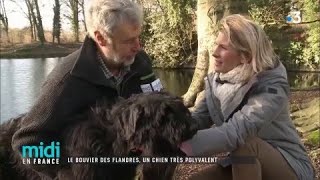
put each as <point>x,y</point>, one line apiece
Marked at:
<point>214,172</point>
<point>250,146</point>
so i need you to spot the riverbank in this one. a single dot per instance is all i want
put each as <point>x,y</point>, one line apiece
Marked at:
<point>49,50</point>
<point>36,50</point>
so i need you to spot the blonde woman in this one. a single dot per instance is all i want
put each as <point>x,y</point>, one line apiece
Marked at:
<point>247,102</point>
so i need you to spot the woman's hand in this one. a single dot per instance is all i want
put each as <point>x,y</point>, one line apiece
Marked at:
<point>186,148</point>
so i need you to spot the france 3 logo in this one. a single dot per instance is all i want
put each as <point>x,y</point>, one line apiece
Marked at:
<point>294,17</point>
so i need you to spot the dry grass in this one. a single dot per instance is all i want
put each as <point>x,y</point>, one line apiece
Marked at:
<point>23,36</point>
<point>20,45</point>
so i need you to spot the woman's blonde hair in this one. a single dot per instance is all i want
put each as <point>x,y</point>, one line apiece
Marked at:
<point>250,40</point>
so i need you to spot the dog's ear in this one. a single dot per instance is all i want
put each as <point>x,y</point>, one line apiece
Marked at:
<point>101,112</point>
<point>102,108</point>
<point>125,116</point>
<point>126,119</point>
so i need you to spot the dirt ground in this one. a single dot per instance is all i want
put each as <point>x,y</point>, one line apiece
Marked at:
<point>299,98</point>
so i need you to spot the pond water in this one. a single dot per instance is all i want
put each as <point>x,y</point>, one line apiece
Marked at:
<point>21,80</point>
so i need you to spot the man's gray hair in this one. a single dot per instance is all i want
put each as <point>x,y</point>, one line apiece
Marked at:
<point>105,15</point>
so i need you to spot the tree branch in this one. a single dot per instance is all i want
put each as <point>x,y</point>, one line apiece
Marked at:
<point>309,22</point>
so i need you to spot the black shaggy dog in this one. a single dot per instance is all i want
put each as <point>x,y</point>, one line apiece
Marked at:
<point>149,124</point>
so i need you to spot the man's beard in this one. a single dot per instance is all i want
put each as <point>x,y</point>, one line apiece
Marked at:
<point>123,62</point>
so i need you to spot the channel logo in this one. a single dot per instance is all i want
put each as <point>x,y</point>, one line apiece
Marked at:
<point>41,154</point>
<point>294,16</point>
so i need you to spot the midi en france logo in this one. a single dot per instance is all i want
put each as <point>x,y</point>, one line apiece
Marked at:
<point>42,154</point>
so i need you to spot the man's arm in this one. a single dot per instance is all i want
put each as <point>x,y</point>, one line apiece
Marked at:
<point>35,125</point>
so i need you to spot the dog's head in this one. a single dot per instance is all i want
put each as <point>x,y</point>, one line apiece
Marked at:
<point>155,122</point>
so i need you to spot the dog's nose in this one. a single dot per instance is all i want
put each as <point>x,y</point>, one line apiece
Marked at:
<point>194,125</point>
<point>135,152</point>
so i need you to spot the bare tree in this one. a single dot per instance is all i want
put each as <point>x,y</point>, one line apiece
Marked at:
<point>35,19</point>
<point>4,19</point>
<point>56,22</point>
<point>209,14</point>
<point>32,19</point>
<point>39,26</point>
<point>29,14</point>
<point>73,17</point>
<point>82,4</point>
<point>33,30</point>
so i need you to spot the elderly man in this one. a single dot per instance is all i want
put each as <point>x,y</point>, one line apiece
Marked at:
<point>108,65</point>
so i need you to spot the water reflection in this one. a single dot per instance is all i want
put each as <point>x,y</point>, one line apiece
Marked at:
<point>178,81</point>
<point>175,81</point>
<point>20,83</point>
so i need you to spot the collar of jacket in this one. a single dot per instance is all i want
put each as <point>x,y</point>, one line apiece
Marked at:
<point>238,98</point>
<point>87,66</point>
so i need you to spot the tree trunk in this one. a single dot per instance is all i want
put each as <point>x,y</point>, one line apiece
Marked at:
<point>209,14</point>
<point>39,23</point>
<point>56,30</point>
<point>31,28</point>
<point>204,30</point>
<point>32,24</point>
<point>35,31</point>
<point>74,5</point>
<point>4,19</point>
<point>81,3</point>
<point>32,19</point>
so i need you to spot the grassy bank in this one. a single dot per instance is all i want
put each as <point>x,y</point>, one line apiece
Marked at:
<point>36,50</point>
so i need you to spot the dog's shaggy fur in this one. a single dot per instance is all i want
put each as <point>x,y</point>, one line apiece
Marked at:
<point>151,124</point>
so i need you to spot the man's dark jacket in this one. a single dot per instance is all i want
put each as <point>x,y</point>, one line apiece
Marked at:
<point>74,85</point>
